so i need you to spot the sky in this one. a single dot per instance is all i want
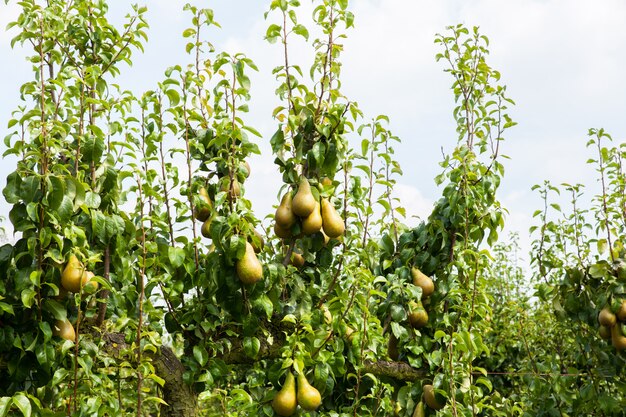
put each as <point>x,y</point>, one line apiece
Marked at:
<point>562,61</point>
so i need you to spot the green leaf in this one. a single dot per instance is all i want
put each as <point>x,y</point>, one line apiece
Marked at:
<point>22,402</point>
<point>200,354</point>
<point>176,256</point>
<point>251,346</point>
<point>28,297</point>
<point>173,96</point>
<point>5,405</point>
<point>58,311</point>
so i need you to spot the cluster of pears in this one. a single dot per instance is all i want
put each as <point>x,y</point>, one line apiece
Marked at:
<point>313,215</point>
<point>288,398</point>
<point>74,278</point>
<point>418,317</point>
<point>612,325</point>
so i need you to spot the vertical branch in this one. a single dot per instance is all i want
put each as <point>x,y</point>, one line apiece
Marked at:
<point>163,173</point>
<point>189,174</point>
<point>388,181</point>
<point>142,270</point>
<point>605,207</point>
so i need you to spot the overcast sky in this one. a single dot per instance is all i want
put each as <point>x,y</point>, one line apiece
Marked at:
<point>563,62</point>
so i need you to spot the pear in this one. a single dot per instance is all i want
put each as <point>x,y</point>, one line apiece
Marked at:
<point>349,333</point>
<point>418,317</point>
<point>309,398</point>
<point>328,316</point>
<point>605,332</point>
<point>284,403</point>
<point>297,260</point>
<point>419,410</point>
<point>617,337</point>
<point>64,329</point>
<point>332,221</point>
<point>303,202</point>
<point>284,214</point>
<point>430,399</point>
<point>282,232</point>
<point>206,228</point>
<point>72,277</point>
<point>202,210</point>
<point>607,318</point>
<point>89,286</point>
<point>423,281</point>
<point>392,348</point>
<point>313,223</point>
<point>249,269</point>
<point>621,312</point>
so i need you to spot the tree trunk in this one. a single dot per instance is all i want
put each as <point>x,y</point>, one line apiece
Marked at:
<point>181,399</point>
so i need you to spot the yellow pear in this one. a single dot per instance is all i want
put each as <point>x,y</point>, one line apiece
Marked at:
<point>332,221</point>
<point>607,318</point>
<point>282,232</point>
<point>297,260</point>
<point>309,398</point>
<point>284,214</point>
<point>206,228</point>
<point>419,410</point>
<point>313,223</point>
<point>303,202</point>
<point>72,277</point>
<point>430,399</point>
<point>617,337</point>
<point>284,403</point>
<point>423,281</point>
<point>64,329</point>
<point>249,268</point>
<point>418,317</point>
<point>89,286</point>
<point>202,209</point>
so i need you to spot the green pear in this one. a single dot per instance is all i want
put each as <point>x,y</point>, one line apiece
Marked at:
<point>64,329</point>
<point>607,318</point>
<point>605,332</point>
<point>281,232</point>
<point>249,268</point>
<point>206,228</point>
<point>257,241</point>
<point>284,403</point>
<point>297,260</point>
<point>332,221</point>
<point>202,208</point>
<point>430,398</point>
<point>303,202</point>
<point>72,277</point>
<point>418,317</point>
<point>617,337</point>
<point>423,281</point>
<point>313,223</point>
<point>284,214</point>
<point>309,398</point>
<point>419,410</point>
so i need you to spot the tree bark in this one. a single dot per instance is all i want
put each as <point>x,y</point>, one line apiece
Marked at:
<point>181,399</point>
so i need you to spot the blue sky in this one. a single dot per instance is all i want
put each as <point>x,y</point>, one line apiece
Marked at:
<point>562,60</point>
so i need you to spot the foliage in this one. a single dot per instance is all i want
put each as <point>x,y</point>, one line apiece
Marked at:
<point>148,192</point>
